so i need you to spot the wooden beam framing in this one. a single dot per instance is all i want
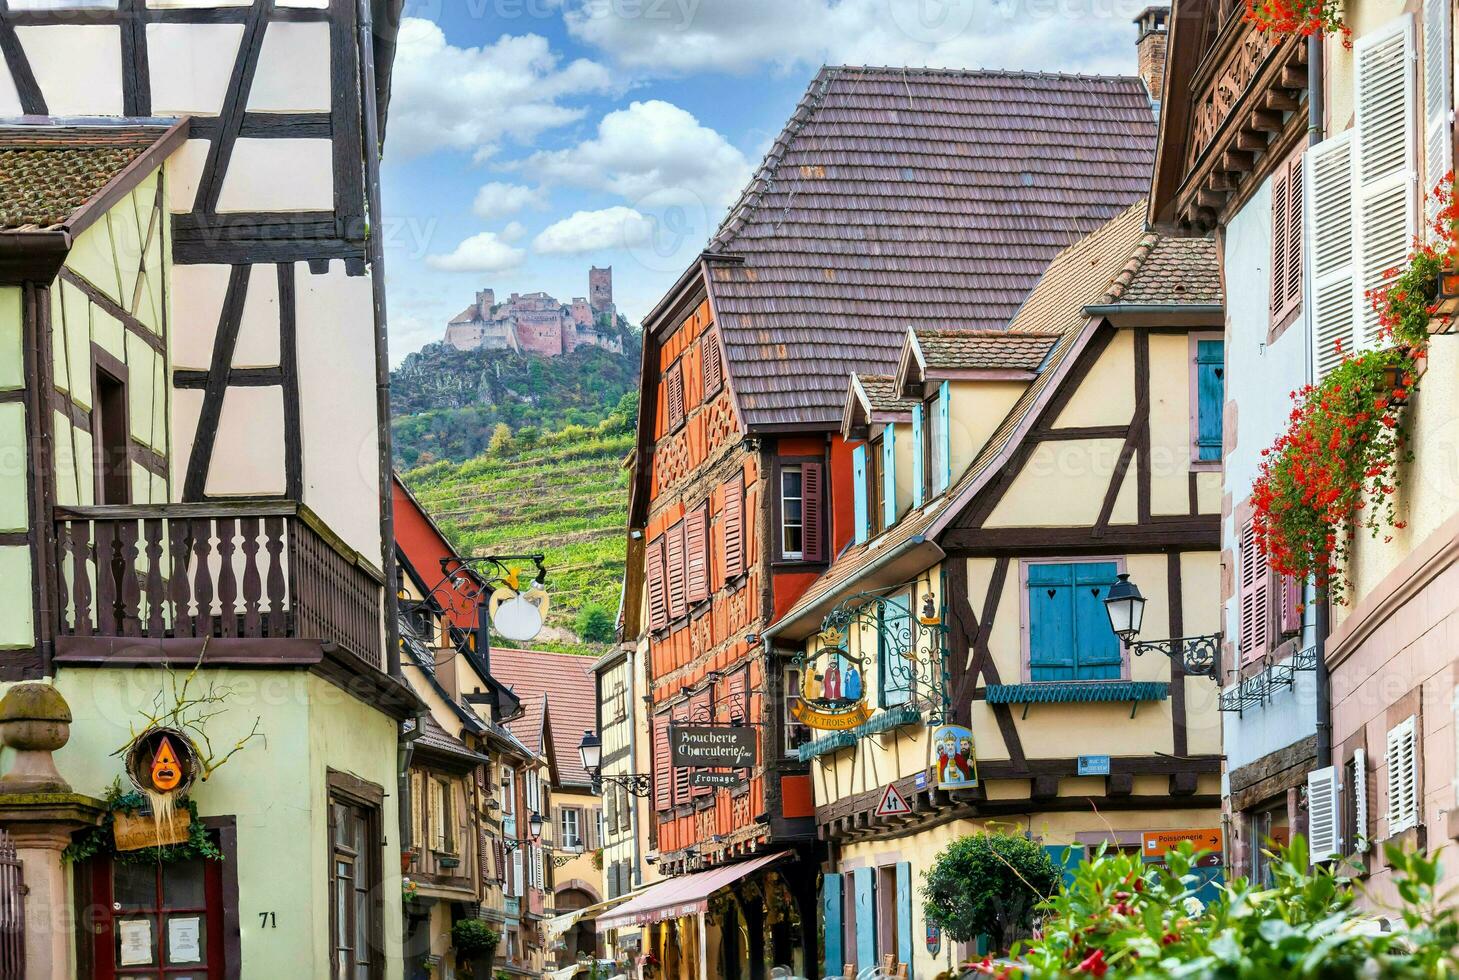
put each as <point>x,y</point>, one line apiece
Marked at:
<point>220,149</point>
<point>289,367</point>
<point>229,321</point>
<point>32,101</point>
<point>136,71</point>
<point>980,631</point>
<point>131,323</point>
<point>1178,739</point>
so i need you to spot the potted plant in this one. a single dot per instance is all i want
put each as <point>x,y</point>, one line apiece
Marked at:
<point>474,941</point>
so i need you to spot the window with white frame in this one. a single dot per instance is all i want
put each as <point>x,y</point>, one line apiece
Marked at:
<point>569,825</point>
<point>509,791</point>
<point>796,732</point>
<point>792,514</point>
<point>1403,786</point>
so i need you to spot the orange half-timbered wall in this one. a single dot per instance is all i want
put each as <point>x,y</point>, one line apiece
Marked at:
<point>704,579</point>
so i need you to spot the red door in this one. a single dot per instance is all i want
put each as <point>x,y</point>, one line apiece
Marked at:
<point>158,921</point>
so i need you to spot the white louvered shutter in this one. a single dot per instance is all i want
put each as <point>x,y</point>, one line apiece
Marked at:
<point>1387,170</point>
<point>1438,99</point>
<point>1360,799</point>
<point>1402,777</point>
<point>1330,228</point>
<point>1324,814</point>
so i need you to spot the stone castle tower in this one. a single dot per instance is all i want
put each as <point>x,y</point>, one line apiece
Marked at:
<point>600,289</point>
<point>537,323</point>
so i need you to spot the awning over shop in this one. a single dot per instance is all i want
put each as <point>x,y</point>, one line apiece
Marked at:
<point>685,895</point>
<point>562,922</point>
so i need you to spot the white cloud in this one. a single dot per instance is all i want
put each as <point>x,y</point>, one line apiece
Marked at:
<point>512,232</point>
<point>652,154</point>
<point>591,231</point>
<point>1092,36</point>
<point>474,98</point>
<point>486,252</point>
<point>497,200</point>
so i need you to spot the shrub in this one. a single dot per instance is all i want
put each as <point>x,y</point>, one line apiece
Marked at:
<point>473,938</point>
<point>988,884</point>
<point>595,624</point>
<point>501,439</point>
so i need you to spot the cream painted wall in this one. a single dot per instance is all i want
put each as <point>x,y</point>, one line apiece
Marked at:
<point>904,449</point>
<point>293,70</point>
<point>977,409</point>
<point>77,67</point>
<point>1106,397</point>
<point>1170,423</point>
<point>279,175</point>
<point>1080,469</point>
<point>190,65</point>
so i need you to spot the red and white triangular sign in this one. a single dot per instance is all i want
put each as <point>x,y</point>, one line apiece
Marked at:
<point>892,804</point>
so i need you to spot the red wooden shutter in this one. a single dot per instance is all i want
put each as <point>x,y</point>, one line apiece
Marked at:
<point>696,547</point>
<point>675,564</point>
<point>1254,597</point>
<point>663,775</point>
<point>813,538</point>
<point>681,773</point>
<point>739,705</point>
<point>713,364</point>
<point>1291,604</point>
<point>1279,243</point>
<point>674,395</point>
<point>700,708</point>
<point>658,603</point>
<point>733,517</point>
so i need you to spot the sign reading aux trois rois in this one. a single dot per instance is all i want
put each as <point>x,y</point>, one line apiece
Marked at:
<point>712,746</point>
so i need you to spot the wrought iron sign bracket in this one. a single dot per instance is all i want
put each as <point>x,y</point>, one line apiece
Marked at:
<point>638,785</point>
<point>1199,655</point>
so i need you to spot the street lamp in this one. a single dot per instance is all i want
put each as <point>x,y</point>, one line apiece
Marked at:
<point>534,824</point>
<point>591,751</point>
<point>1126,609</point>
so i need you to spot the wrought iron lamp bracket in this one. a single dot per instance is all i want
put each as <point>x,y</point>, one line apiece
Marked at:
<point>1199,655</point>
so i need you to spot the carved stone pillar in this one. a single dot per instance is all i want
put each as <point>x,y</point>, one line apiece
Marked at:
<point>40,813</point>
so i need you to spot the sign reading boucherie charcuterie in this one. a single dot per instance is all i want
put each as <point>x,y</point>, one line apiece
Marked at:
<point>717,746</point>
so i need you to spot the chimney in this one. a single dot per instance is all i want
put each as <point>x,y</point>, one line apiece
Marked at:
<point>1150,49</point>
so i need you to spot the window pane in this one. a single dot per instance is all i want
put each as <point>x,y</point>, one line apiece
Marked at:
<point>134,886</point>
<point>792,540</point>
<point>187,939</point>
<point>792,512</point>
<point>790,482</point>
<point>182,884</point>
<point>362,926</point>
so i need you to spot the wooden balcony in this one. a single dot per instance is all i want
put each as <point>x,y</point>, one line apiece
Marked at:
<point>1235,103</point>
<point>215,574</point>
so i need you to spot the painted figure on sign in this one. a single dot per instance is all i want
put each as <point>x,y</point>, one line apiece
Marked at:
<point>852,688</point>
<point>956,763</point>
<point>833,680</point>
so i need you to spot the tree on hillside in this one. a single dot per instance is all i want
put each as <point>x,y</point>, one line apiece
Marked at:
<point>501,438</point>
<point>594,624</point>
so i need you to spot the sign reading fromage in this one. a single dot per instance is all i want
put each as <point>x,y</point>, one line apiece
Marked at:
<point>718,746</point>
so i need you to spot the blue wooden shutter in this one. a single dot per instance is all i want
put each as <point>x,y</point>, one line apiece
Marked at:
<point>889,474</point>
<point>1096,646</point>
<point>917,450</point>
<point>904,915</point>
<point>1051,622</point>
<point>865,880</point>
<point>896,669</point>
<point>1210,394</point>
<point>944,400</point>
<point>858,479</point>
<point>831,904</point>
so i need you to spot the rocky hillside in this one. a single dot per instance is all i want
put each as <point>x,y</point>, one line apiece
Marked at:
<point>447,404</point>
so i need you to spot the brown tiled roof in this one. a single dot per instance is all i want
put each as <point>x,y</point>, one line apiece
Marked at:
<point>911,197</point>
<point>881,392</point>
<point>951,348</point>
<point>564,683</point>
<point>48,172</point>
<point>1177,270</point>
<point>436,737</point>
<point>1096,270</point>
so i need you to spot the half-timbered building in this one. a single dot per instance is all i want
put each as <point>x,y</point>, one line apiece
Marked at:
<point>834,248</point>
<point>191,340</point>
<point>956,661</point>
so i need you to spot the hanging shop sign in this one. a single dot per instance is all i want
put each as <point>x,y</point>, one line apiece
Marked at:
<point>954,757</point>
<point>717,746</point>
<point>832,695</point>
<point>934,939</point>
<point>162,763</point>
<point>721,780</point>
<point>518,615</point>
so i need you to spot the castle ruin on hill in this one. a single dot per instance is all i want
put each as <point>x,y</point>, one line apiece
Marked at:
<point>536,323</point>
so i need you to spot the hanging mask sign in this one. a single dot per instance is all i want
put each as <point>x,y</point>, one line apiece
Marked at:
<point>518,615</point>
<point>833,697</point>
<point>163,764</point>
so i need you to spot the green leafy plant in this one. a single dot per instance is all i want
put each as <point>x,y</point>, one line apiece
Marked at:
<point>594,624</point>
<point>1408,298</point>
<point>988,884</point>
<point>101,839</point>
<point>1122,918</point>
<point>473,937</point>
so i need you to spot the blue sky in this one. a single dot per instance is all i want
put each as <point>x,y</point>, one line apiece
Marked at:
<point>529,139</point>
